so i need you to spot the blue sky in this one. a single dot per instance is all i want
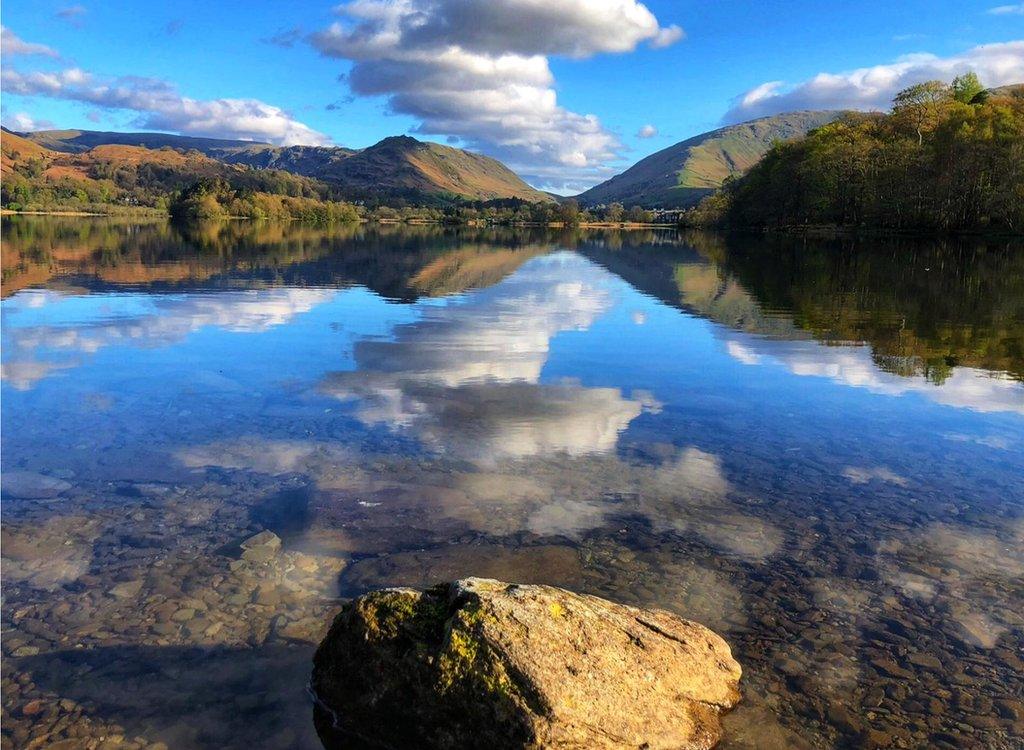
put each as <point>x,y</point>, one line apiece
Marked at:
<point>559,89</point>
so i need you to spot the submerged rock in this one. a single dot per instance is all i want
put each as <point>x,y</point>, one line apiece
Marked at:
<point>480,663</point>
<point>261,548</point>
<point>31,485</point>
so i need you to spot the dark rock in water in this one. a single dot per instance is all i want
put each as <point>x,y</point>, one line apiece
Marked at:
<point>480,663</point>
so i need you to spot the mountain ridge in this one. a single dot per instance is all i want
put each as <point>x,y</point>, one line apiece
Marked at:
<point>680,175</point>
<point>395,166</point>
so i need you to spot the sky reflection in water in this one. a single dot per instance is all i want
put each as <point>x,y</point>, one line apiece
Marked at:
<point>815,449</point>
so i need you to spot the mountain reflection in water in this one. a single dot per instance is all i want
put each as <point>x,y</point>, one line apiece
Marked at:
<point>813,447</point>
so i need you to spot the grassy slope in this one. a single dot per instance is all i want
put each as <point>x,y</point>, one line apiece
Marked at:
<point>682,174</point>
<point>14,148</point>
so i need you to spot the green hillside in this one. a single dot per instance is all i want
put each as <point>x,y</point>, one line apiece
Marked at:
<point>947,158</point>
<point>681,175</point>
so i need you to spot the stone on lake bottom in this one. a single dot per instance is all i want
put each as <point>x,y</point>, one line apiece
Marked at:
<point>261,547</point>
<point>263,539</point>
<point>480,663</point>
<point>31,485</point>
<point>126,590</point>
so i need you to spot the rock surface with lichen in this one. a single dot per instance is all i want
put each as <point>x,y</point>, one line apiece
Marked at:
<point>480,663</point>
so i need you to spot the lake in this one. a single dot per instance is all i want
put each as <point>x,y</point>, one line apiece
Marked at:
<point>813,447</point>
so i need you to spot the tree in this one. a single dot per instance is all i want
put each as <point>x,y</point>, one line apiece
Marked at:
<point>615,213</point>
<point>921,105</point>
<point>569,213</point>
<point>638,215</point>
<point>966,87</point>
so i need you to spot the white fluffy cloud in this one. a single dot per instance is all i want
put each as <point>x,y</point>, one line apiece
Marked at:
<point>11,44</point>
<point>478,71</point>
<point>162,107</point>
<point>1007,10</point>
<point>24,122</point>
<point>873,88</point>
<point>647,131</point>
<point>159,104</point>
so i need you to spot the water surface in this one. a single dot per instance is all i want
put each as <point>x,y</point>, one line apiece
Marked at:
<point>815,448</point>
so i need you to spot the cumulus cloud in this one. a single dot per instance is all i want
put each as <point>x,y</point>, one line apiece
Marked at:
<point>647,131</point>
<point>873,88</point>
<point>667,37</point>
<point>162,107</point>
<point>23,122</point>
<point>11,44</point>
<point>478,70</point>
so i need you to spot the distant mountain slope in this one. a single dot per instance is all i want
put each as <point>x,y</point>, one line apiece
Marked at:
<point>95,163</point>
<point>74,141</point>
<point>1012,90</point>
<point>682,174</point>
<point>111,175</point>
<point>396,165</point>
<point>311,161</point>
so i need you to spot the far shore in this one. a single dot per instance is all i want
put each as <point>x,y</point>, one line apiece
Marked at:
<point>140,214</point>
<point>810,231</point>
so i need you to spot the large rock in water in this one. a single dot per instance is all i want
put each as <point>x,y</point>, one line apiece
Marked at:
<point>483,664</point>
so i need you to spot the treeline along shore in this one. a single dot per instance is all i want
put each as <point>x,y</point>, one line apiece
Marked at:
<point>948,158</point>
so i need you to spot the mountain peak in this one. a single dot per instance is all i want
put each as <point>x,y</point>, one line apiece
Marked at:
<point>399,141</point>
<point>685,172</point>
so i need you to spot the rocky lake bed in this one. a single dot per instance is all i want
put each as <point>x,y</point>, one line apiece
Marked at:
<point>198,475</point>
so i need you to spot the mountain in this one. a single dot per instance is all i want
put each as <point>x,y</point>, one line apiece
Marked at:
<point>680,175</point>
<point>1012,90</point>
<point>397,166</point>
<point>403,163</point>
<point>26,157</point>
<point>77,141</point>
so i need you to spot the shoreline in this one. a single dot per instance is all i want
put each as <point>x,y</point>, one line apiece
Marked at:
<point>824,232</point>
<point>390,222</point>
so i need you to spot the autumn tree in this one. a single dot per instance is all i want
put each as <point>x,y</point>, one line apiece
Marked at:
<point>921,105</point>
